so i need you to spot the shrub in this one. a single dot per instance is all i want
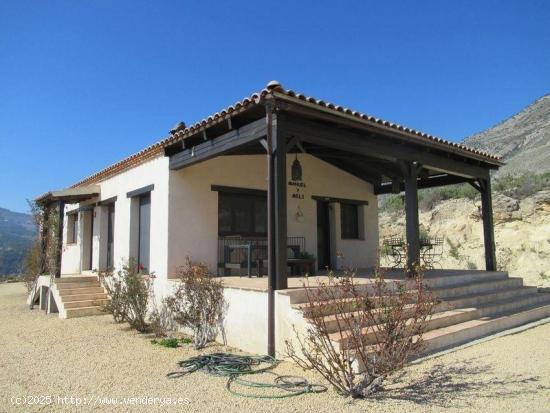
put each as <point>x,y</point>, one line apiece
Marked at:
<point>392,203</point>
<point>161,320</point>
<point>382,333</point>
<point>198,303</point>
<point>129,291</point>
<point>523,185</point>
<point>167,342</point>
<point>32,265</point>
<point>428,198</point>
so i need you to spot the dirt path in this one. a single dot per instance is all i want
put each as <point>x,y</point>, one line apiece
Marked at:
<point>92,358</point>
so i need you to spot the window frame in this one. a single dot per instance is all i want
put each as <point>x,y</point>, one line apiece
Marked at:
<point>72,228</point>
<point>252,210</point>
<point>345,208</point>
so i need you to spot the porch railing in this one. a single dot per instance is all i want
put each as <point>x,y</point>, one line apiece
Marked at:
<point>248,254</point>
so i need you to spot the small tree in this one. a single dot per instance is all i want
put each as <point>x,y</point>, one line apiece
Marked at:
<point>378,327</point>
<point>129,293</point>
<point>198,303</point>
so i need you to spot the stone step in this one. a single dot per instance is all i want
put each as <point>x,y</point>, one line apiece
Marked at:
<point>483,299</point>
<point>445,293</point>
<point>83,297</point>
<point>85,303</point>
<point>68,286</point>
<point>436,321</point>
<point>83,311</point>
<point>81,290</point>
<point>453,335</point>
<point>456,279</point>
<point>517,304</point>
<point>457,334</point>
<point>330,307</point>
<point>76,279</point>
<point>434,282</point>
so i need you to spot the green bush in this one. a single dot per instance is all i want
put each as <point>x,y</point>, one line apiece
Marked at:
<point>392,203</point>
<point>521,186</point>
<point>167,342</point>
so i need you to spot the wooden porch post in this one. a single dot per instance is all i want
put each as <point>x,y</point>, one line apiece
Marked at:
<point>276,223</point>
<point>488,227</point>
<point>61,216</point>
<point>410,172</point>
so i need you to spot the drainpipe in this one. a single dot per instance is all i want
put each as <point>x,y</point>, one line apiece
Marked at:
<point>271,268</point>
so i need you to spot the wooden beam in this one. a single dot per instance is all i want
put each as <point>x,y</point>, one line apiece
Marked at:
<point>313,111</point>
<point>411,212</point>
<point>339,200</point>
<point>430,182</point>
<point>238,190</point>
<point>379,147</point>
<point>218,146</point>
<point>488,226</point>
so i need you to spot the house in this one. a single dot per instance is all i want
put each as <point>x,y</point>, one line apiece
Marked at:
<point>272,186</point>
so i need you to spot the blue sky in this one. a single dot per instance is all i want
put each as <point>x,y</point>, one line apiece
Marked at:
<point>86,83</point>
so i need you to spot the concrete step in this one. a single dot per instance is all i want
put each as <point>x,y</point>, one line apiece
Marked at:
<point>85,303</point>
<point>83,311</point>
<point>477,288</point>
<point>81,290</point>
<point>436,321</point>
<point>456,279</point>
<point>457,334</point>
<point>330,307</point>
<point>453,335</point>
<point>517,304</point>
<point>83,297</point>
<point>481,300</point>
<point>68,286</point>
<point>76,279</point>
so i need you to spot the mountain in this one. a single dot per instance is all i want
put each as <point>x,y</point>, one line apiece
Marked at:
<point>17,233</point>
<point>523,140</point>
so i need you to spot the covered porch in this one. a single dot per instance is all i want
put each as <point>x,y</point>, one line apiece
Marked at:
<point>389,157</point>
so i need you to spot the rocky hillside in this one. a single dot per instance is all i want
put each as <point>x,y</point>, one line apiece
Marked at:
<point>522,232</point>
<point>17,232</point>
<point>523,140</point>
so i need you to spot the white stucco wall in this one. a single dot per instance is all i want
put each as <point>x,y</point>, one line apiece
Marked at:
<point>184,212</point>
<point>193,207</point>
<point>153,172</point>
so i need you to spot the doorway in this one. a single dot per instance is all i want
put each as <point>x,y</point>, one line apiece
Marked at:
<point>323,235</point>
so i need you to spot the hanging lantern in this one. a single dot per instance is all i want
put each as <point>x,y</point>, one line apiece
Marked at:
<point>296,170</point>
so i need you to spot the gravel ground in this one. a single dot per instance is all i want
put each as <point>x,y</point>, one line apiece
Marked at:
<point>92,357</point>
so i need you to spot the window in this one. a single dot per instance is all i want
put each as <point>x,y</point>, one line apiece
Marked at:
<point>72,228</point>
<point>349,219</point>
<point>242,214</point>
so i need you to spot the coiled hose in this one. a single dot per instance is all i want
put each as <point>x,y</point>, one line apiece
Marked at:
<point>235,366</point>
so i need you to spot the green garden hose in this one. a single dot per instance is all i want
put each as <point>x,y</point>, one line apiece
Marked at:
<point>235,366</point>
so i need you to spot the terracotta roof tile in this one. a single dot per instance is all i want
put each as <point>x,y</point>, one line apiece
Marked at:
<point>273,88</point>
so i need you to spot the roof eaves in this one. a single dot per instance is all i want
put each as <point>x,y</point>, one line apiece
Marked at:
<point>407,132</point>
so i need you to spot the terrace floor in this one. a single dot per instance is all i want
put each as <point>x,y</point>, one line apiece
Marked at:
<point>362,276</point>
